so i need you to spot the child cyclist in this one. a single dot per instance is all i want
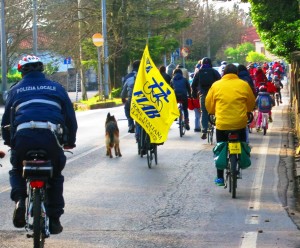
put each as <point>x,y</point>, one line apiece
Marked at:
<point>264,103</point>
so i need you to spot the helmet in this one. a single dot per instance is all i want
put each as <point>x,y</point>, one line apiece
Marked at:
<point>30,63</point>
<point>206,61</point>
<point>136,65</point>
<point>224,63</point>
<point>262,88</point>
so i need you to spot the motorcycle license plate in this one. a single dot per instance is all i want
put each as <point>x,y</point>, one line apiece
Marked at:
<point>235,148</point>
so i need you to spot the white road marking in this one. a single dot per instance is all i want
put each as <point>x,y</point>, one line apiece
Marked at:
<point>249,240</point>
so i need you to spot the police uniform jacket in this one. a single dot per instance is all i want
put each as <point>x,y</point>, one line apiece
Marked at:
<point>38,99</point>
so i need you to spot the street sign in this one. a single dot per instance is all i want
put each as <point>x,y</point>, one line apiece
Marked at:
<point>188,42</point>
<point>67,61</point>
<point>97,39</point>
<point>185,52</point>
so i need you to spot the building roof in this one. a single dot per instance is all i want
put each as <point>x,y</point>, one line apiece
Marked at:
<point>250,35</point>
<point>43,42</point>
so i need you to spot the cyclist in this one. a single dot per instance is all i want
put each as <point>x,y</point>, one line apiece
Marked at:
<point>244,74</point>
<point>185,72</point>
<point>264,103</point>
<point>202,82</point>
<point>278,85</point>
<point>165,75</point>
<point>229,99</point>
<point>128,84</point>
<point>277,69</point>
<point>221,68</point>
<point>260,78</point>
<point>41,106</point>
<point>182,90</point>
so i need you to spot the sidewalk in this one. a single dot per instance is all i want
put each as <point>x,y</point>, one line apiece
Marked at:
<point>289,167</point>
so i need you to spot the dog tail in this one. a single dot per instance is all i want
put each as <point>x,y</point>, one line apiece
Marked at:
<point>111,138</point>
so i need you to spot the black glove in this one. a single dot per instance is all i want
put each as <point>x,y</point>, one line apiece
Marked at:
<point>123,100</point>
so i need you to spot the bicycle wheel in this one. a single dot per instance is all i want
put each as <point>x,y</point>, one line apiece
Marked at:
<point>149,152</point>
<point>139,145</point>
<point>142,143</point>
<point>211,135</point>
<point>265,130</point>
<point>264,124</point>
<point>250,129</point>
<point>208,135</point>
<point>181,122</point>
<point>233,174</point>
<point>155,153</point>
<point>38,235</point>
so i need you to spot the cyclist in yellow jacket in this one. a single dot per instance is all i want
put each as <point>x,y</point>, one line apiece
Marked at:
<point>229,99</point>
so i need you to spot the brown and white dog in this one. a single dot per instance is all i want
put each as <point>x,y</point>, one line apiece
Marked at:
<point>112,136</point>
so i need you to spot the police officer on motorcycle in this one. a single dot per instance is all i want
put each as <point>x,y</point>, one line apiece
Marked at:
<point>36,110</point>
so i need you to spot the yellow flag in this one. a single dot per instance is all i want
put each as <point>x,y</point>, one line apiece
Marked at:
<point>153,102</point>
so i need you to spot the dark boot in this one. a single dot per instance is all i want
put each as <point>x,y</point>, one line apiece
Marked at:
<point>19,214</point>
<point>187,125</point>
<point>54,225</point>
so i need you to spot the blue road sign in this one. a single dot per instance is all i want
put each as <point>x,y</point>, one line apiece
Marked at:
<point>67,61</point>
<point>189,42</point>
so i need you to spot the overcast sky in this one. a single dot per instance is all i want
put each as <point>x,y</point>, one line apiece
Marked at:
<point>228,4</point>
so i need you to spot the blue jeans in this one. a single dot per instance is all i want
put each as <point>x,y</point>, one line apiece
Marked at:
<point>184,101</point>
<point>197,118</point>
<point>137,131</point>
<point>204,115</point>
<point>247,134</point>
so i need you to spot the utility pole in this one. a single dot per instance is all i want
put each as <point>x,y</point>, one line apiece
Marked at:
<point>34,27</point>
<point>105,51</point>
<point>208,29</point>
<point>3,51</point>
<point>82,76</point>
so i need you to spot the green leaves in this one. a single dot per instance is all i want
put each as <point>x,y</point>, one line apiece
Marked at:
<point>278,25</point>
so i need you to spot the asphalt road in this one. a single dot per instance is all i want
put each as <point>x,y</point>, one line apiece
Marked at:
<point>119,202</point>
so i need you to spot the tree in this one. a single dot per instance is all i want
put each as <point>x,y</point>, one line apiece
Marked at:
<point>256,57</point>
<point>239,53</point>
<point>225,29</point>
<point>278,25</point>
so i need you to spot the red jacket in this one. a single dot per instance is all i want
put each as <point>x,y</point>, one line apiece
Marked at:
<point>260,77</point>
<point>265,67</point>
<point>271,88</point>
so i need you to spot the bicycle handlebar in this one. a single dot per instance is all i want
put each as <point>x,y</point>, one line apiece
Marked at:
<point>212,118</point>
<point>250,117</point>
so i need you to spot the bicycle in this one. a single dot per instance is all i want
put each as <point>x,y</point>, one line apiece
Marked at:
<point>232,169</point>
<point>147,148</point>
<point>181,121</point>
<point>264,122</point>
<point>252,124</point>
<point>234,150</point>
<point>210,129</point>
<point>37,169</point>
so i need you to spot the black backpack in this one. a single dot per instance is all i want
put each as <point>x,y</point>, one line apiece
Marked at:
<point>207,77</point>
